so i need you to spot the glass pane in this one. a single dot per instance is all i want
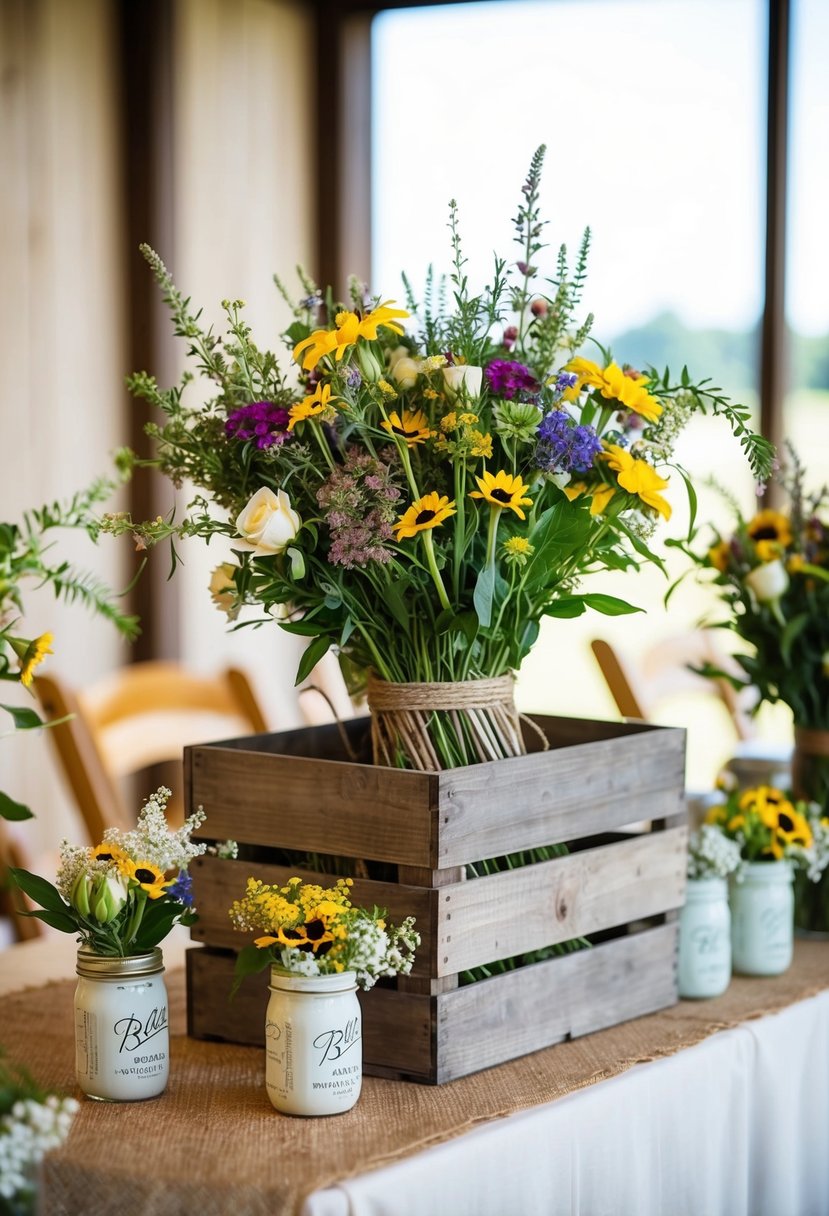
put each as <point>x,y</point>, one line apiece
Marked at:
<point>653,113</point>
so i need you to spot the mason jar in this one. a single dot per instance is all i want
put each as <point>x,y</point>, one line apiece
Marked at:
<point>705,939</point>
<point>762,918</point>
<point>313,1043</point>
<point>122,1048</point>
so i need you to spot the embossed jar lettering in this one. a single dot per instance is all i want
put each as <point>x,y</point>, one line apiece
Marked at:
<point>121,1026</point>
<point>313,1043</point>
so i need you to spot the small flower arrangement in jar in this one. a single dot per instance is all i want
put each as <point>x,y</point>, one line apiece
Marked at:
<point>320,949</point>
<point>775,837</point>
<point>121,898</point>
<point>705,921</point>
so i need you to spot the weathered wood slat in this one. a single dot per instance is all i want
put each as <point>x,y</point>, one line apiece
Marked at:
<point>217,883</point>
<point>513,1014</point>
<point>554,901</point>
<point>550,797</point>
<point>354,810</point>
<point>397,1026</point>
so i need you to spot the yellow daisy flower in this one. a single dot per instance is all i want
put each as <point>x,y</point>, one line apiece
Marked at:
<point>481,445</point>
<point>413,426</point>
<point>639,478</point>
<point>614,385</point>
<point>503,490</point>
<point>349,327</point>
<point>317,403</point>
<point>428,511</point>
<point>31,654</point>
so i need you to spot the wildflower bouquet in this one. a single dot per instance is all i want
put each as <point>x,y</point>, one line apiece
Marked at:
<point>31,1123</point>
<point>25,555</point>
<point>124,895</point>
<point>711,853</point>
<point>311,930</point>
<point>419,497</point>
<point>769,826</point>
<point>771,573</point>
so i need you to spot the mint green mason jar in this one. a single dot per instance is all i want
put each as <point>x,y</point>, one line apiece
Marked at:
<point>705,939</point>
<point>762,918</point>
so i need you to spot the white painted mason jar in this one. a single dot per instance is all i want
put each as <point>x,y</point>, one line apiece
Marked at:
<point>705,939</point>
<point>762,918</point>
<point>313,1043</point>
<point>122,1048</point>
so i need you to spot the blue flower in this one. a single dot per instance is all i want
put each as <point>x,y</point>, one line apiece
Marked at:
<point>564,447</point>
<point>182,889</point>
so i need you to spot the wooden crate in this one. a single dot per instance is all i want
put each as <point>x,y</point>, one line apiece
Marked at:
<point>299,790</point>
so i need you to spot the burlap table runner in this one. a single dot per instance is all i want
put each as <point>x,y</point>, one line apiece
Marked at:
<point>212,1144</point>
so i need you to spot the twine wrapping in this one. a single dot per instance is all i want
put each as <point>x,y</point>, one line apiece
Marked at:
<point>480,716</point>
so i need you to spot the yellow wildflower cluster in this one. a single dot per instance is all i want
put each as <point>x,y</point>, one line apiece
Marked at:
<point>273,908</point>
<point>459,437</point>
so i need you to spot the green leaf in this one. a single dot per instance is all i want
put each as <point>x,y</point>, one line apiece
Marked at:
<point>305,629</point>
<point>311,657</point>
<point>24,719</point>
<point>297,560</point>
<point>38,889</point>
<point>610,605</point>
<point>9,809</point>
<point>482,597</point>
<point>61,921</point>
<point>395,597</point>
<point>297,332</point>
<point>567,607</point>
<point>249,961</point>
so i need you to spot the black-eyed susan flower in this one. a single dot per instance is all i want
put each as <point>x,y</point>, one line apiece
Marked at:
<point>771,533</point>
<point>318,402</point>
<point>639,478</point>
<point>429,511</point>
<point>30,654</point>
<point>788,825</point>
<point>503,490</point>
<point>109,851</point>
<point>348,328</point>
<point>146,876</point>
<point>413,427</point>
<point>718,556</point>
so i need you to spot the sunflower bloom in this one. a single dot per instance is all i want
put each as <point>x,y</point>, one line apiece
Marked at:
<point>429,511</point>
<point>107,851</point>
<point>413,427</point>
<point>503,490</point>
<point>771,533</point>
<point>718,556</point>
<point>31,654</point>
<point>146,876</point>
<point>639,478</point>
<point>317,403</point>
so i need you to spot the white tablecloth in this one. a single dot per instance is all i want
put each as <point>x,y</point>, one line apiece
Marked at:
<point>735,1126</point>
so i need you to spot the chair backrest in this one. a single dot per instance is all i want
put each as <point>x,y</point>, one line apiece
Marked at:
<point>141,715</point>
<point>23,928</point>
<point>665,671</point>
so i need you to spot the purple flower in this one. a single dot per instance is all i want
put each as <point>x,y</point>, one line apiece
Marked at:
<point>182,889</point>
<point>360,503</point>
<point>565,380</point>
<point>353,378</point>
<point>564,447</point>
<point>509,380</point>
<point>263,421</point>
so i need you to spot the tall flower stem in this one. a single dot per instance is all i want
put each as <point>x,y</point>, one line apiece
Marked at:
<point>320,438</point>
<point>492,534</point>
<point>435,573</point>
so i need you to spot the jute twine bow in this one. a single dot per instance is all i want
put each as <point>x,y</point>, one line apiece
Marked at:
<point>482,713</point>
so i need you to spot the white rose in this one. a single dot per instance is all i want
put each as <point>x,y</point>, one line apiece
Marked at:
<point>463,381</point>
<point>768,582</point>
<point>268,523</point>
<point>405,372</point>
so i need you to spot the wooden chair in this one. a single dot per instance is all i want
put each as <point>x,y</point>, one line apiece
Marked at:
<point>140,716</point>
<point>665,671</point>
<point>23,928</point>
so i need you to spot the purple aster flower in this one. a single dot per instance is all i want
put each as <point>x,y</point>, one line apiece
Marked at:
<point>564,447</point>
<point>182,889</point>
<point>263,421</point>
<point>509,380</point>
<point>565,380</point>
